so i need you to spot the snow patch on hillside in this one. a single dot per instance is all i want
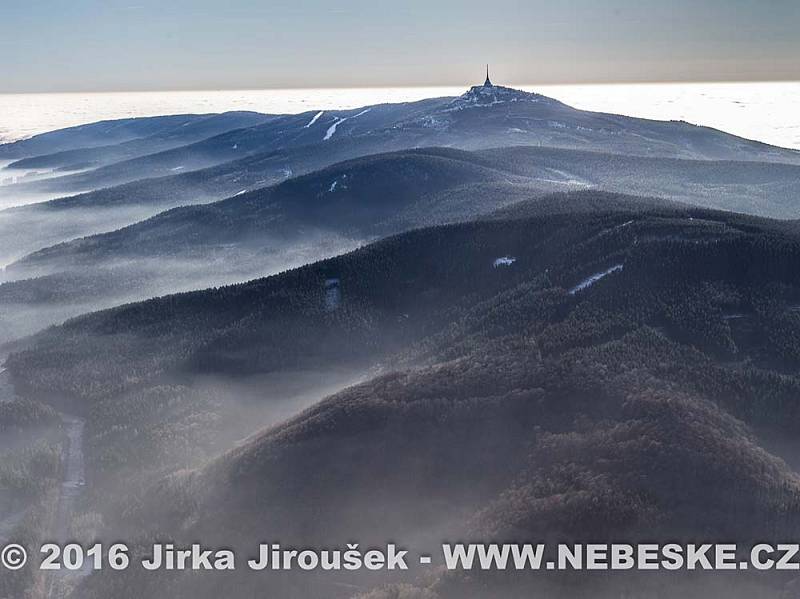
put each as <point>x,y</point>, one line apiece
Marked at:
<point>589,281</point>
<point>339,120</point>
<point>332,129</point>
<point>315,119</point>
<point>504,261</point>
<point>339,182</point>
<point>569,178</point>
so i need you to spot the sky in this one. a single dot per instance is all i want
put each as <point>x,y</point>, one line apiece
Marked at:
<point>120,45</point>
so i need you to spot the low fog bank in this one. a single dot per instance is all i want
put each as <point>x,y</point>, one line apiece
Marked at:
<point>31,301</point>
<point>16,185</point>
<point>26,229</point>
<point>28,226</point>
<point>31,219</point>
<point>10,176</point>
<point>13,197</point>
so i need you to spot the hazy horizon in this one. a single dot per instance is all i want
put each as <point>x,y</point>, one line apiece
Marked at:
<point>95,46</point>
<point>757,110</point>
<point>465,85</point>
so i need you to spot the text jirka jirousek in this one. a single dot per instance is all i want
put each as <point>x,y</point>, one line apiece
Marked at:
<point>453,556</point>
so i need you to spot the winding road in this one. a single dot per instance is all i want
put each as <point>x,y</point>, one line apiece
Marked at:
<point>72,486</point>
<point>73,482</point>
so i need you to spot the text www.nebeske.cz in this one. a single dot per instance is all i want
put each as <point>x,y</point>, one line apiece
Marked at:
<point>456,556</point>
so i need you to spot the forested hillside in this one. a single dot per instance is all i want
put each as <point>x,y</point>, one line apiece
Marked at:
<point>388,193</point>
<point>601,373</point>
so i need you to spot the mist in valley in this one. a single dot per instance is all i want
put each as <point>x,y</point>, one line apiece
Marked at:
<point>13,191</point>
<point>483,317</point>
<point>30,221</point>
<point>25,230</point>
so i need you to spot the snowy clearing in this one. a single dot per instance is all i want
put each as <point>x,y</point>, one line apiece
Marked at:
<point>315,119</point>
<point>589,281</point>
<point>339,120</point>
<point>332,129</point>
<point>569,178</point>
<point>504,261</point>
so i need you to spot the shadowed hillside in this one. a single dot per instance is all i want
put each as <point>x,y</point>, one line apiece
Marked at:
<point>388,193</point>
<point>596,374</point>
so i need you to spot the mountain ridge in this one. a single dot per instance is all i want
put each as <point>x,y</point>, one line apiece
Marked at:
<point>436,122</point>
<point>536,168</point>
